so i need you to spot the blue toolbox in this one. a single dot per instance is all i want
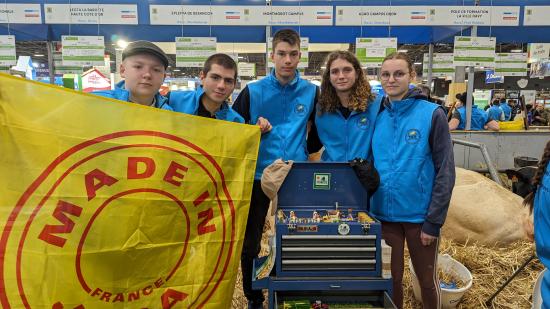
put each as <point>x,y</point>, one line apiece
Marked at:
<point>327,248</point>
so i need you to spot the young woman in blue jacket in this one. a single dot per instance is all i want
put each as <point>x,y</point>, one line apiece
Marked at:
<point>413,154</point>
<point>539,202</point>
<point>347,109</point>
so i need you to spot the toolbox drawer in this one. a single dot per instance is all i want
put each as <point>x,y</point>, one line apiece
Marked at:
<point>336,299</point>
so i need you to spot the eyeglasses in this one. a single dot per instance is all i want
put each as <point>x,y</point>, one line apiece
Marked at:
<point>396,75</point>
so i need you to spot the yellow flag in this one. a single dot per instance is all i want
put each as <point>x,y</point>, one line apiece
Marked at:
<point>105,204</point>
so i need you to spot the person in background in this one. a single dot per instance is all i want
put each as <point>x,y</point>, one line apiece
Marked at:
<point>347,109</point>
<point>495,112</point>
<point>143,68</point>
<point>479,121</point>
<point>286,103</point>
<point>428,93</point>
<point>218,78</point>
<point>506,109</point>
<point>413,154</point>
<point>538,202</point>
<point>541,117</point>
<point>529,112</point>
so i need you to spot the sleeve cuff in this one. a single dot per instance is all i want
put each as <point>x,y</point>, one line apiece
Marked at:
<point>431,229</point>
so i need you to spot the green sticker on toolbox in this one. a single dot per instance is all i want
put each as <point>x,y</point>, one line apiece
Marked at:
<point>321,181</point>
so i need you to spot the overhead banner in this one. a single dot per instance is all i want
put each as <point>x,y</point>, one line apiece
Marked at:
<point>537,51</point>
<point>104,14</point>
<point>20,13</point>
<point>536,15</point>
<point>220,15</point>
<point>192,52</point>
<point>7,50</point>
<point>427,15</point>
<point>109,204</point>
<point>511,64</point>
<point>474,51</point>
<point>82,50</point>
<point>372,51</point>
<point>304,50</point>
<point>442,65</point>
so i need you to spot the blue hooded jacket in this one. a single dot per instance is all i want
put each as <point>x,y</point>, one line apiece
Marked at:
<point>479,118</point>
<point>120,93</point>
<point>287,108</point>
<point>403,158</point>
<point>495,113</point>
<point>347,139</point>
<point>541,213</point>
<point>507,111</point>
<point>187,102</point>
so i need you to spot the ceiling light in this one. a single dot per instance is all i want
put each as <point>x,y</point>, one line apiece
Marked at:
<point>403,50</point>
<point>38,55</point>
<point>175,70</point>
<point>122,43</point>
<point>418,63</point>
<point>516,50</point>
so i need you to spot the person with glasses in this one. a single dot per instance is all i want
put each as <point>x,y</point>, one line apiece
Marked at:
<point>282,104</point>
<point>218,78</point>
<point>347,109</point>
<point>413,154</point>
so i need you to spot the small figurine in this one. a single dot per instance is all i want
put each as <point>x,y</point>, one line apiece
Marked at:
<point>293,217</point>
<point>350,214</point>
<point>316,217</point>
<point>280,215</point>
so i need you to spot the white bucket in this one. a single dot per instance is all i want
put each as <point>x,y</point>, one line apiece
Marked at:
<point>537,298</point>
<point>449,297</point>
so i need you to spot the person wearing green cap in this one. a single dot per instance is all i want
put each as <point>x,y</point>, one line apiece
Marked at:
<point>143,68</point>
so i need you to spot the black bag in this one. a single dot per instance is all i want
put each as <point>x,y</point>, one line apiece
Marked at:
<point>367,174</point>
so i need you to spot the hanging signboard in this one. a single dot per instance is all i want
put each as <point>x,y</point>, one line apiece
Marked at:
<point>511,64</point>
<point>427,15</point>
<point>60,69</point>
<point>372,51</point>
<point>536,15</point>
<point>537,51</point>
<point>192,52</point>
<point>20,13</point>
<point>442,65</point>
<point>220,15</point>
<point>491,77</point>
<point>474,51</point>
<point>247,69</point>
<point>304,50</point>
<point>7,50</point>
<point>82,50</point>
<point>104,14</point>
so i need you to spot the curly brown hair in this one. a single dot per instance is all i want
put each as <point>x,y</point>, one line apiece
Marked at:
<point>530,198</point>
<point>360,94</point>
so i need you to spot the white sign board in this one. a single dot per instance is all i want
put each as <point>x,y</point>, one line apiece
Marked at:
<point>442,65</point>
<point>538,51</point>
<point>474,51</point>
<point>192,52</point>
<point>220,15</point>
<point>372,51</point>
<point>529,95</point>
<point>304,49</point>
<point>536,15</point>
<point>427,15</point>
<point>83,50</point>
<point>60,69</point>
<point>20,13</point>
<point>247,69</point>
<point>7,50</point>
<point>511,64</point>
<point>104,14</point>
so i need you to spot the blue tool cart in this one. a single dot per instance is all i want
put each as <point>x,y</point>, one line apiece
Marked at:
<point>328,248</point>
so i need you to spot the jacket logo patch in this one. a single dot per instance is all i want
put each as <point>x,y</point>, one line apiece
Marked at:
<point>363,123</point>
<point>300,109</point>
<point>413,136</point>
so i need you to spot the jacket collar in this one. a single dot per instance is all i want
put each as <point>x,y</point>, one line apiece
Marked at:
<point>273,79</point>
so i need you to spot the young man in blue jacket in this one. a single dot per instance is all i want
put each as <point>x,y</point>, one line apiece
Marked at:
<point>282,104</point>
<point>218,78</point>
<point>143,68</point>
<point>480,119</point>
